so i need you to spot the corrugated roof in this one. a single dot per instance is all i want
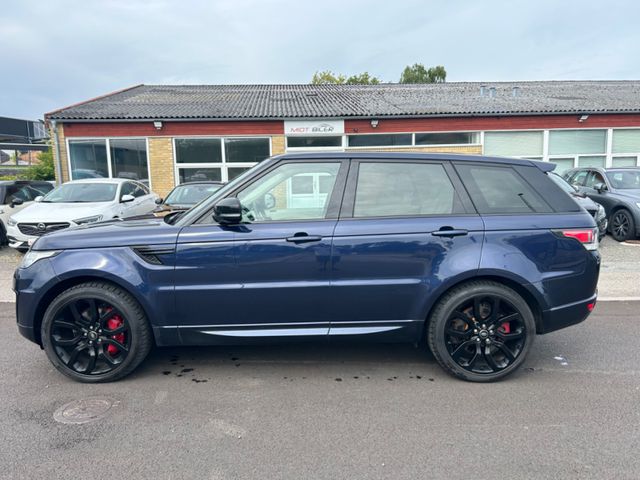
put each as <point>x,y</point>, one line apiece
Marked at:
<point>235,102</point>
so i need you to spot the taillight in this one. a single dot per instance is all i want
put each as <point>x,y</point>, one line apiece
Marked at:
<point>586,236</point>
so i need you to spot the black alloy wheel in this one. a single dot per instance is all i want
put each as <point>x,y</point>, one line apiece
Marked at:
<point>90,336</point>
<point>622,225</point>
<point>481,331</point>
<point>485,334</point>
<point>95,332</point>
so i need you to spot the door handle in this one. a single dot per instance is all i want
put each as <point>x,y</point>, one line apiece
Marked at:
<point>303,237</point>
<point>450,232</point>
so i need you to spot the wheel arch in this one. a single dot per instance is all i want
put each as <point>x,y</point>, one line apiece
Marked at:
<point>59,287</point>
<point>533,300</point>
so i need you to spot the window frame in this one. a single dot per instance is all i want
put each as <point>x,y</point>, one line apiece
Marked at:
<point>69,140</point>
<point>349,199</point>
<point>223,165</point>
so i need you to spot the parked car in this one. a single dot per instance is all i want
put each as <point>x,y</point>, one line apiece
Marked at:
<point>618,191</point>
<point>79,202</point>
<point>16,195</point>
<point>595,209</point>
<point>475,255</point>
<point>185,196</point>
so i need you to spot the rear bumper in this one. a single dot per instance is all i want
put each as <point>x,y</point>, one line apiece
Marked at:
<point>566,315</point>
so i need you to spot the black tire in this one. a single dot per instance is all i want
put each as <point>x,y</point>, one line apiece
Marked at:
<point>622,225</point>
<point>66,321</point>
<point>508,335</point>
<point>3,235</point>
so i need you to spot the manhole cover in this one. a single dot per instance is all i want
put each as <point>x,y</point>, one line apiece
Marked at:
<point>84,411</point>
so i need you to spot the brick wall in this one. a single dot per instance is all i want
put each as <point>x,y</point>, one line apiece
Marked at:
<point>161,165</point>
<point>277,144</point>
<point>62,147</point>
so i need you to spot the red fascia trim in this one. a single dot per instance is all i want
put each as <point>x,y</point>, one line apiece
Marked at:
<point>146,129</point>
<point>524,122</point>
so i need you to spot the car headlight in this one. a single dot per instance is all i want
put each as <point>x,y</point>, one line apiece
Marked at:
<point>600,213</point>
<point>11,222</point>
<point>85,220</point>
<point>638,204</point>
<point>32,256</point>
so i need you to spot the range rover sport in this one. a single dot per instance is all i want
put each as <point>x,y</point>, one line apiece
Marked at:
<point>476,255</point>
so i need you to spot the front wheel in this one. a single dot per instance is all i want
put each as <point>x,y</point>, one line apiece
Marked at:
<point>622,225</point>
<point>481,331</point>
<point>95,332</point>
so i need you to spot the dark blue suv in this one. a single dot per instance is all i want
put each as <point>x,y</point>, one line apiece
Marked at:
<point>475,255</point>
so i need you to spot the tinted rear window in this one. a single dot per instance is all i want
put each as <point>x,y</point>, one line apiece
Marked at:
<point>497,189</point>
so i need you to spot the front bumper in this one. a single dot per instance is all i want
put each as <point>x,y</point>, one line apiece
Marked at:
<point>19,240</point>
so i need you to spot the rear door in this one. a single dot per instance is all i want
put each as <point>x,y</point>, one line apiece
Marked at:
<point>405,227</point>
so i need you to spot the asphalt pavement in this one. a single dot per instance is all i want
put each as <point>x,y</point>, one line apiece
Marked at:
<point>331,412</point>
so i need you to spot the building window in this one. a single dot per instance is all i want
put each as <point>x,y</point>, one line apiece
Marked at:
<point>220,159</point>
<point>129,159</point>
<point>513,144</point>
<point>571,142</point>
<point>451,138</point>
<point>314,142</point>
<point>592,161</point>
<point>626,141</point>
<point>198,150</point>
<point>380,140</point>
<point>562,164</point>
<point>111,157</point>
<point>624,161</point>
<point>88,159</point>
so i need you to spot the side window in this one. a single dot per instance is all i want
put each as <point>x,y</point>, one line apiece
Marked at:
<point>293,191</point>
<point>500,190</point>
<point>41,188</point>
<point>404,189</point>
<point>24,193</point>
<point>593,179</point>
<point>579,178</point>
<point>128,188</point>
<point>139,190</point>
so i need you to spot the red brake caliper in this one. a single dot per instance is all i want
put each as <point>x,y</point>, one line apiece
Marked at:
<point>113,323</point>
<point>506,328</point>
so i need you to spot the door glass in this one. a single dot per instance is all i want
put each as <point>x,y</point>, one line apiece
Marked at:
<point>292,191</point>
<point>579,178</point>
<point>401,189</point>
<point>593,179</point>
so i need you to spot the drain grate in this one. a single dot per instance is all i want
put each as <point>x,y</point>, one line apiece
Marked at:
<point>85,410</point>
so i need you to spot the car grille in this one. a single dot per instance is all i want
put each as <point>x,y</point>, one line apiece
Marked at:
<point>38,229</point>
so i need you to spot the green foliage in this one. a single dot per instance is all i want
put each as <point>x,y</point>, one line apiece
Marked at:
<point>43,170</point>
<point>416,73</point>
<point>327,77</point>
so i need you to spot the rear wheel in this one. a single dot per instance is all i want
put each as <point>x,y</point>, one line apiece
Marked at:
<point>481,331</point>
<point>95,332</point>
<point>622,225</point>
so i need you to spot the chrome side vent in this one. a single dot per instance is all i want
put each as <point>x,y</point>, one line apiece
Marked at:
<point>153,253</point>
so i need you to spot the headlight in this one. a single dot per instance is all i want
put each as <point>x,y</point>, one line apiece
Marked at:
<point>638,204</point>
<point>600,213</point>
<point>32,256</point>
<point>11,222</point>
<point>85,220</point>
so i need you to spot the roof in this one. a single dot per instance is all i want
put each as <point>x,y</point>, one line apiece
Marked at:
<point>102,180</point>
<point>256,102</point>
<point>399,156</point>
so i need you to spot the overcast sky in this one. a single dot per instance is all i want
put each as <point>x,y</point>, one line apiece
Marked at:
<point>58,52</point>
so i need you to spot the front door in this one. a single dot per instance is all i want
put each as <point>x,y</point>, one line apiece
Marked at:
<point>405,227</point>
<point>270,275</point>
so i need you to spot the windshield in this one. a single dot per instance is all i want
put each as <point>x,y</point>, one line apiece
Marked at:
<point>624,179</point>
<point>82,193</point>
<point>562,183</point>
<point>191,194</point>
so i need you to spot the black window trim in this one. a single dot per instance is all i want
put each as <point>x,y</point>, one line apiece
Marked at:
<point>348,203</point>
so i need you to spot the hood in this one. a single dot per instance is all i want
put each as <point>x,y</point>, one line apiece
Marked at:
<point>59,212</point>
<point>115,233</point>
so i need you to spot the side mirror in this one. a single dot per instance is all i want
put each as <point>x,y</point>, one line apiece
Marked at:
<point>159,201</point>
<point>39,198</point>
<point>600,187</point>
<point>228,211</point>
<point>127,198</point>
<point>16,201</point>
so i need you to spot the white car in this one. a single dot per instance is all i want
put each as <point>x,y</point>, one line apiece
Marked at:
<point>77,203</point>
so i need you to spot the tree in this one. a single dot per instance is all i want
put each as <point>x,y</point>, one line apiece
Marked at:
<point>43,170</point>
<point>327,77</point>
<point>416,73</point>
